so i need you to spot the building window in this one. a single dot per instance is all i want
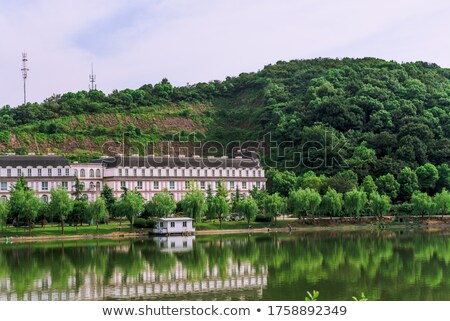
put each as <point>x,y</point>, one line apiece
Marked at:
<point>172,224</point>
<point>3,199</point>
<point>244,185</point>
<point>44,186</point>
<point>120,171</point>
<point>126,171</point>
<point>44,198</point>
<point>135,172</point>
<point>187,185</point>
<point>29,171</point>
<point>167,172</point>
<point>190,172</point>
<point>228,172</point>
<point>198,172</point>
<point>172,185</point>
<point>139,185</point>
<point>254,173</point>
<point>64,185</point>
<point>184,224</point>
<point>122,184</point>
<point>259,173</point>
<point>220,173</point>
<point>97,173</point>
<point>143,172</point>
<point>213,172</point>
<point>82,173</point>
<point>59,172</point>
<point>175,172</point>
<point>234,173</point>
<point>97,186</point>
<point>231,185</point>
<point>67,172</point>
<point>217,184</point>
<point>182,172</point>
<point>91,186</point>
<point>19,172</point>
<point>75,172</point>
<point>151,171</point>
<point>155,185</point>
<point>240,173</point>
<point>49,172</point>
<point>8,172</point>
<point>4,186</point>
<point>202,185</point>
<point>159,172</point>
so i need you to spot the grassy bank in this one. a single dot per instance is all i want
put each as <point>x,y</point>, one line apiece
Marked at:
<point>55,230</point>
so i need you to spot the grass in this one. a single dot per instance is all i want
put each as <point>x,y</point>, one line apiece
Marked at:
<point>240,225</point>
<point>55,230</point>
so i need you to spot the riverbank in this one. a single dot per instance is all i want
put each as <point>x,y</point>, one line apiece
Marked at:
<point>116,230</point>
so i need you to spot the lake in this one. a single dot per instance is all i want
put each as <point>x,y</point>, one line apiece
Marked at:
<point>385,265</point>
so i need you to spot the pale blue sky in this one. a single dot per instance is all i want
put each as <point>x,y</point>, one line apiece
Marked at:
<point>135,42</point>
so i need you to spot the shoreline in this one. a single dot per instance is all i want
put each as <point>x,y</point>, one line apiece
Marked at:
<point>146,234</point>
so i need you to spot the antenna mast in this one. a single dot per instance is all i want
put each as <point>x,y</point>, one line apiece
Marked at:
<point>24,76</point>
<point>92,85</point>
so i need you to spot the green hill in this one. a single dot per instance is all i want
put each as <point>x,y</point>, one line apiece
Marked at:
<point>371,115</point>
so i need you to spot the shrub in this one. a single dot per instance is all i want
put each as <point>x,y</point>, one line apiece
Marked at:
<point>140,223</point>
<point>262,218</point>
<point>151,223</point>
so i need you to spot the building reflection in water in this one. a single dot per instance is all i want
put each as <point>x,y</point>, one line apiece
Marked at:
<point>236,281</point>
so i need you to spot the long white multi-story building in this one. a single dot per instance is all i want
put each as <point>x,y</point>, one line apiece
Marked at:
<point>146,174</point>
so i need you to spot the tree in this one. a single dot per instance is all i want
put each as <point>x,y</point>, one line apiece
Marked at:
<point>110,199</point>
<point>354,202</point>
<point>280,182</point>
<point>78,188</point>
<point>428,176</point>
<point>194,205</point>
<point>161,205</point>
<point>221,208</point>
<point>379,204</point>
<point>60,205</point>
<point>343,181</point>
<point>274,204</point>
<point>442,201</point>
<point>248,208</point>
<point>98,211</point>
<point>331,203</point>
<point>409,183</point>
<point>4,210</point>
<point>17,198</point>
<point>210,205</point>
<point>304,202</point>
<point>132,204</point>
<point>310,180</point>
<point>236,198</point>
<point>422,203</point>
<point>80,212</point>
<point>388,185</point>
<point>24,204</point>
<point>444,177</point>
<point>221,190</point>
<point>368,185</point>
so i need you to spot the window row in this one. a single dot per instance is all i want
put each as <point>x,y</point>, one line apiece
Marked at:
<point>91,172</point>
<point>37,172</point>
<point>190,172</point>
<point>190,184</point>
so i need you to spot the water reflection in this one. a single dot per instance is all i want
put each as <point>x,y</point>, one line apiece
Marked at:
<point>385,265</point>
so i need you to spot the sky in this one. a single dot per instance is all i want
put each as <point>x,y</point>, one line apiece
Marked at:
<point>137,42</point>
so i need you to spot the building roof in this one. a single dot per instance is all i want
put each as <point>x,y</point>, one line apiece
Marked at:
<point>170,219</point>
<point>172,162</point>
<point>32,160</point>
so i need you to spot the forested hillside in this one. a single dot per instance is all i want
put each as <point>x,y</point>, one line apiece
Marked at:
<point>382,115</point>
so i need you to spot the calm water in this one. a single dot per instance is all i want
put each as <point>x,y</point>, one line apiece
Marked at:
<point>388,265</point>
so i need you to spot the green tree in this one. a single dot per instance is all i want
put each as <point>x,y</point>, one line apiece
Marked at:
<point>78,188</point>
<point>343,181</point>
<point>98,211</point>
<point>379,204</point>
<point>444,177</point>
<point>221,190</point>
<point>210,204</point>
<point>60,205</point>
<point>409,183</point>
<point>304,202</point>
<point>280,182</point>
<point>4,210</point>
<point>132,204</point>
<point>442,201</point>
<point>221,208</point>
<point>108,195</point>
<point>80,212</point>
<point>422,203</point>
<point>194,205</point>
<point>428,176</point>
<point>248,208</point>
<point>310,180</point>
<point>388,185</point>
<point>274,204</point>
<point>161,205</point>
<point>368,185</point>
<point>355,202</point>
<point>25,205</point>
<point>331,203</point>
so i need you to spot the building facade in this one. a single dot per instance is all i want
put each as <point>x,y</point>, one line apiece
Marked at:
<point>146,174</point>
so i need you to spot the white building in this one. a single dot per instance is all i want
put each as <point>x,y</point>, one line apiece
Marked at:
<point>146,174</point>
<point>174,225</point>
